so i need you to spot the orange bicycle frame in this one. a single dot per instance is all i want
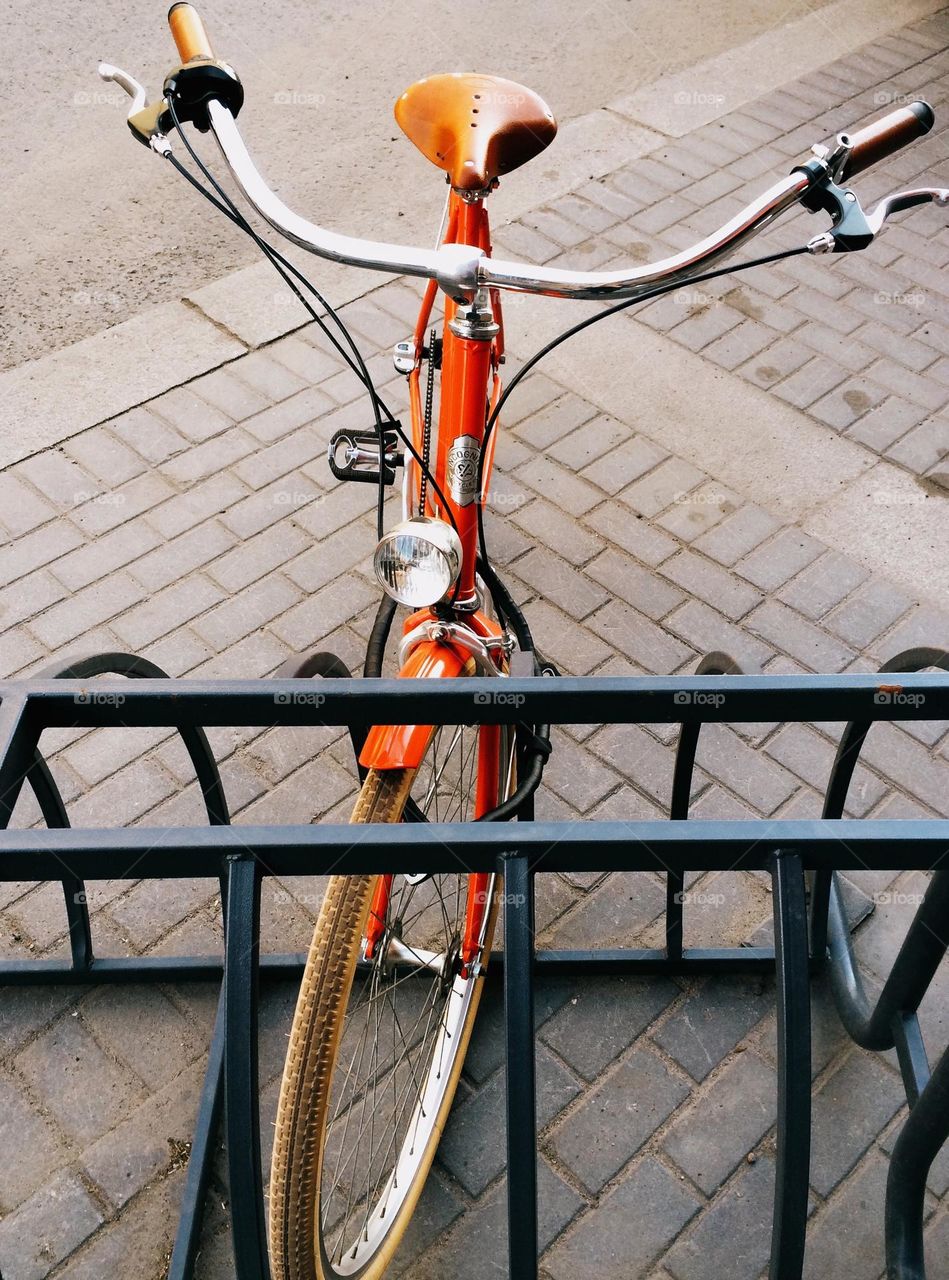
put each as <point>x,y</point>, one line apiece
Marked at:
<point>469,381</point>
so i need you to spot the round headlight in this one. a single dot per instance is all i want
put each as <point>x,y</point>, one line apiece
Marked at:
<point>418,561</point>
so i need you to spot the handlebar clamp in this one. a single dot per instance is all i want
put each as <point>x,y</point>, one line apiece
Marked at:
<point>851,230</point>
<point>193,85</point>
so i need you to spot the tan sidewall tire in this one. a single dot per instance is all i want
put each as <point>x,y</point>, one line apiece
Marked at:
<point>311,1056</point>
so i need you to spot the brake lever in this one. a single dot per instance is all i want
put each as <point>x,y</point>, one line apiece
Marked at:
<point>901,200</point>
<point>142,119</point>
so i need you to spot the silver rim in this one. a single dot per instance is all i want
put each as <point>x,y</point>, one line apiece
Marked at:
<point>403,1030</point>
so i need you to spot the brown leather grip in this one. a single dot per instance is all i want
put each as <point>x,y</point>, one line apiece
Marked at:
<point>189,33</point>
<point>889,134</point>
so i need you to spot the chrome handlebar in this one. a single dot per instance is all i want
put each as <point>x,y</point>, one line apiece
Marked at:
<point>462,270</point>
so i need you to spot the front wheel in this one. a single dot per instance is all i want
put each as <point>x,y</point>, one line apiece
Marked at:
<point>376,1048</point>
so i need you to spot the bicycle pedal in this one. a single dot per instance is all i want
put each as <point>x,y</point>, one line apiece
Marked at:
<point>360,456</point>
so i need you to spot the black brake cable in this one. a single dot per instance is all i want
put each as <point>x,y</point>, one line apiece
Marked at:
<point>656,292</point>
<point>285,268</point>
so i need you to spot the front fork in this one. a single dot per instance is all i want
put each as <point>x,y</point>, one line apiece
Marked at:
<point>479,882</point>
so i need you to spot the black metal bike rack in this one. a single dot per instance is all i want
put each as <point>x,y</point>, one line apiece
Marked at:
<point>790,851</point>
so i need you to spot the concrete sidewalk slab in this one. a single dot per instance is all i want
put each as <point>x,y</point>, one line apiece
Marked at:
<point>47,401</point>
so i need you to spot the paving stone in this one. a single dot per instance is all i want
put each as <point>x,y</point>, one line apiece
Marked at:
<point>823,584</point>
<point>849,1109</point>
<point>922,448</point>
<point>705,579</point>
<point>148,1033</point>
<point>651,647</point>
<point>166,610</point>
<point>23,508</point>
<point>138,1242</point>
<point>732,1236</point>
<point>638,537</point>
<point>78,1085</point>
<point>710,1140</point>
<point>195,417</point>
<point>671,480</point>
<point>748,772</point>
<point>111,551</point>
<point>37,1146</point>
<point>603,1018</point>
<point>33,550</point>
<point>872,610</point>
<point>147,1143</point>
<point>551,527</point>
<point>639,587</point>
<point>714,1018</point>
<point>553,580</point>
<point>637,1096</point>
<point>151,437</point>
<point>707,632</point>
<point>46,1228</point>
<point>799,638</point>
<point>692,514</point>
<point>577,776</point>
<point>472,1148</point>
<point>151,908</point>
<point>477,1247</point>
<point>811,757</point>
<point>574,649</point>
<point>635,1222</point>
<point>613,915</point>
<point>737,535</point>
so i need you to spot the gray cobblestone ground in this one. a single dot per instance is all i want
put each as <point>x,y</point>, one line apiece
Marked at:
<point>204,531</point>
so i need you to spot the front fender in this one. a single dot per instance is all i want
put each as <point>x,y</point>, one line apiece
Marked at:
<point>403,746</point>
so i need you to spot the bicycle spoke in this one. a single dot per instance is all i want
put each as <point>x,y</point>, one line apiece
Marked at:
<point>401,1032</point>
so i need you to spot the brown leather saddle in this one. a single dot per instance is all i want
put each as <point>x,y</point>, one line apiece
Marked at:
<point>475,127</point>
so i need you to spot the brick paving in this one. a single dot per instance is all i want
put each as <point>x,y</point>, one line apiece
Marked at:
<point>204,531</point>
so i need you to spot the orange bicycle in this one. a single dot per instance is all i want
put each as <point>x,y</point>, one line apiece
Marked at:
<point>397,963</point>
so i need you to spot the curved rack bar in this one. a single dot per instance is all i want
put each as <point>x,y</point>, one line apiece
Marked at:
<point>74,890</point>
<point>830,932</point>
<point>792,1163</point>
<point>193,736</point>
<point>713,664</point>
<point>917,1146</point>
<point>187,1239</point>
<point>892,1020</point>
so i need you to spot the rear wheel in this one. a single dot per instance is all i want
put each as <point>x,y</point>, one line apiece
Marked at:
<point>376,1048</point>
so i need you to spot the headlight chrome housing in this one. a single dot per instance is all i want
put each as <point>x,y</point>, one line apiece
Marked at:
<point>418,562</point>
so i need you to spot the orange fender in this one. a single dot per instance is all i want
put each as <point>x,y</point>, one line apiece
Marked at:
<point>403,746</point>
